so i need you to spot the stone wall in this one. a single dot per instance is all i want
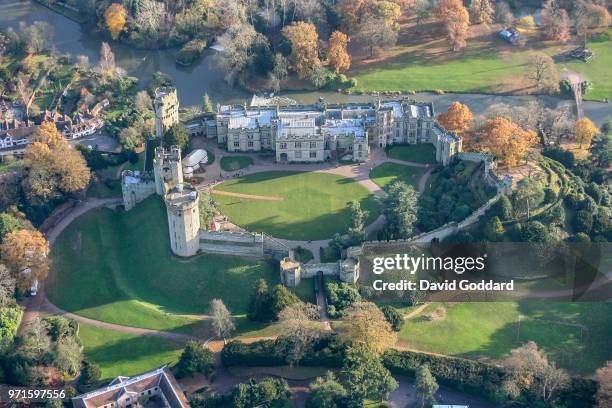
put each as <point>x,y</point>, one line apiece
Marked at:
<point>242,244</point>
<point>135,187</point>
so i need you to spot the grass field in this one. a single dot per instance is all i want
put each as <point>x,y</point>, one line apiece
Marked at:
<point>576,335</point>
<point>422,62</point>
<point>126,354</point>
<point>306,290</point>
<point>312,206</point>
<point>117,267</point>
<point>419,153</point>
<point>235,162</point>
<point>387,173</point>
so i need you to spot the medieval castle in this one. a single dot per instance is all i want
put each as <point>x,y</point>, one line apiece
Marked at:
<point>297,133</point>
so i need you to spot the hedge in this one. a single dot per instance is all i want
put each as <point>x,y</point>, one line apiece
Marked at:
<point>470,375</point>
<point>264,353</point>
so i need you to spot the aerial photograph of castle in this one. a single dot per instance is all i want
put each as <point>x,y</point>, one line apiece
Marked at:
<point>306,203</point>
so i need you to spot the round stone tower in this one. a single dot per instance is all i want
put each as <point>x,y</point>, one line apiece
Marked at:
<point>183,220</point>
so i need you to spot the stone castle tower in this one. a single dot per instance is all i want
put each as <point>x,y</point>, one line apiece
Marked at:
<point>182,202</point>
<point>166,106</point>
<point>167,168</point>
<point>183,220</point>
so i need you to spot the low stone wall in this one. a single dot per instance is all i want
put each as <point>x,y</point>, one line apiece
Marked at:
<point>311,270</point>
<point>241,244</point>
<point>133,193</point>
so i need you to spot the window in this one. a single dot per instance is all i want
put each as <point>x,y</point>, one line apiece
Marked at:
<point>298,155</point>
<point>313,145</point>
<point>283,145</point>
<point>313,155</point>
<point>250,143</point>
<point>298,145</point>
<point>236,144</point>
<point>250,136</point>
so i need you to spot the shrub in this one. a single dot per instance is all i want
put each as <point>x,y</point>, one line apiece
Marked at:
<point>583,221</point>
<point>395,318</point>
<point>340,296</point>
<point>195,358</point>
<point>190,52</point>
<point>90,375</point>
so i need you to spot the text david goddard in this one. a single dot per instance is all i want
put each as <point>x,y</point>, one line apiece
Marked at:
<point>463,285</point>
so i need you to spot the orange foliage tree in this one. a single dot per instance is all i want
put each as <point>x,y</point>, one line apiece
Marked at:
<point>304,39</point>
<point>115,16</point>
<point>25,253</point>
<point>53,167</point>
<point>457,119</point>
<point>584,131</point>
<point>506,140</point>
<point>456,20</point>
<point>337,56</point>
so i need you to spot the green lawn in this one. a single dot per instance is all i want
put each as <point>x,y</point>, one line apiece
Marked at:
<point>126,354</point>
<point>235,162</point>
<point>313,205</point>
<point>491,329</point>
<point>387,173</point>
<point>419,153</point>
<point>117,267</point>
<point>478,68</point>
<point>487,65</point>
<point>306,290</point>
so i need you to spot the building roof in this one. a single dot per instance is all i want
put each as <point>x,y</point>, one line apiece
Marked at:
<point>195,157</point>
<point>120,386</point>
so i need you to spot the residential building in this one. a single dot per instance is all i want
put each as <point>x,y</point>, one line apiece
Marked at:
<point>158,386</point>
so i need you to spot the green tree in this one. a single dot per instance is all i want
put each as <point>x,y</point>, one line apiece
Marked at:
<point>207,105</point>
<point>177,135</point>
<point>400,209</point>
<point>535,231</point>
<point>90,375</point>
<point>280,298</point>
<point>426,386</point>
<point>207,210</point>
<point>527,197</point>
<point>358,219</point>
<point>339,297</point>
<point>395,318</point>
<point>195,358</point>
<point>11,220</point>
<point>503,208</point>
<point>68,355</point>
<point>259,302</point>
<point>494,230</point>
<point>366,376</point>
<point>583,221</point>
<point>326,392</point>
<point>58,327</point>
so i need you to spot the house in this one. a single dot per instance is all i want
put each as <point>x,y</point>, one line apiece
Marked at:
<point>157,386</point>
<point>17,139</point>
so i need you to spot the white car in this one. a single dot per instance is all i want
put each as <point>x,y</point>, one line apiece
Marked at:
<point>34,288</point>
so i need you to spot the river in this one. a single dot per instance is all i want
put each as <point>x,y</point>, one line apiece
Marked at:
<point>207,75</point>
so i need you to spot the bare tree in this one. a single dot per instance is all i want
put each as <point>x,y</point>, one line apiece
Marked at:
<point>37,332</point>
<point>300,329</point>
<point>82,62</point>
<point>143,102</point>
<point>150,16</point>
<point>542,71</point>
<point>106,65</point>
<point>222,320</point>
<point>24,91</point>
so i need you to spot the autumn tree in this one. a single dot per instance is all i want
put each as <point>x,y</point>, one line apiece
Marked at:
<point>456,20</point>
<point>364,323</point>
<point>555,22</point>
<point>541,69</point>
<point>588,17</point>
<point>337,55</point>
<point>458,118</point>
<point>115,17</point>
<point>53,167</point>
<point>304,39</point>
<point>584,131</point>
<point>26,255</point>
<point>481,12</point>
<point>506,140</point>
<point>375,35</point>
<point>530,370</point>
<point>604,386</point>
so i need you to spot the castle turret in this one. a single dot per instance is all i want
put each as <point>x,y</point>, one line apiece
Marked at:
<point>167,168</point>
<point>166,109</point>
<point>183,220</point>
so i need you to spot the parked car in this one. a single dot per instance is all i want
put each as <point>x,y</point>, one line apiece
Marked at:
<point>34,288</point>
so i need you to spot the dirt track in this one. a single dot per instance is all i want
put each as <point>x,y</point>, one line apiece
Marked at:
<point>250,196</point>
